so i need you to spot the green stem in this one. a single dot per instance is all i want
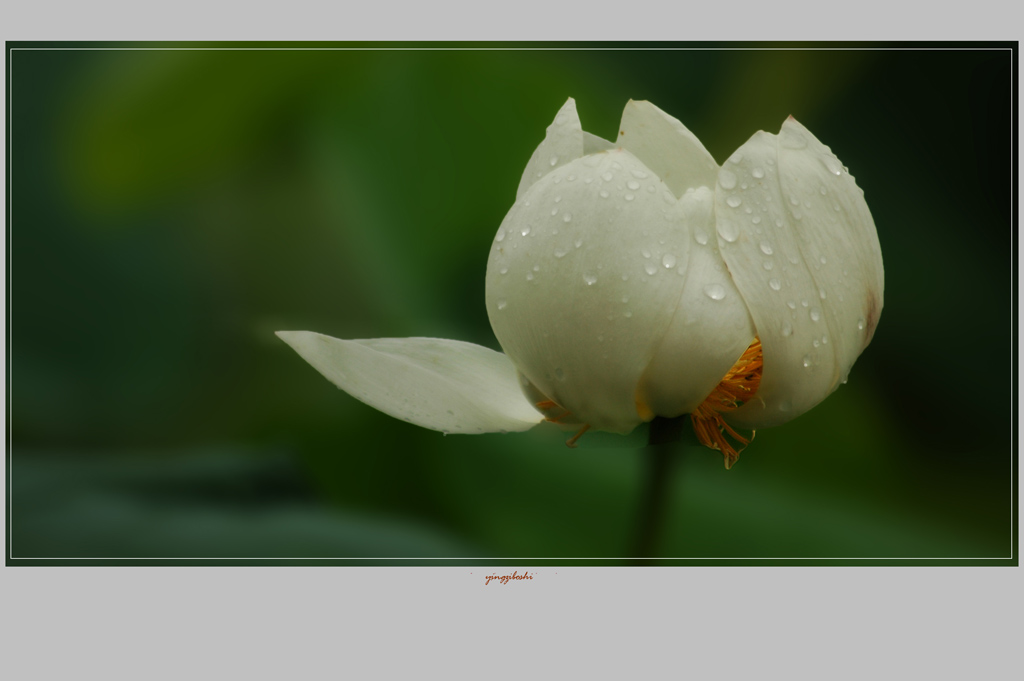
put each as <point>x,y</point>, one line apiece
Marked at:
<point>664,433</point>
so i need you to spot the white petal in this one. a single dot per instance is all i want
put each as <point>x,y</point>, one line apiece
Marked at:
<point>562,144</point>
<point>593,144</point>
<point>786,203</point>
<point>440,384</point>
<point>578,291</point>
<point>711,327</point>
<point>666,147</point>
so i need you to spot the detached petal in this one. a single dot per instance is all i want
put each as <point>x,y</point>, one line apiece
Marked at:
<point>666,147</point>
<point>583,281</point>
<point>563,143</point>
<point>444,385</point>
<point>802,248</point>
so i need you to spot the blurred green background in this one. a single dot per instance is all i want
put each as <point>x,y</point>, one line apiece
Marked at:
<point>170,209</point>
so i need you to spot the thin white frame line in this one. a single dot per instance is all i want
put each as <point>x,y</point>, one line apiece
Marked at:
<point>9,357</point>
<point>505,558</point>
<point>1014,395</point>
<point>553,48</point>
<point>10,462</point>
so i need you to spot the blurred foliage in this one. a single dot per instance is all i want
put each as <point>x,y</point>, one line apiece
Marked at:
<point>170,209</point>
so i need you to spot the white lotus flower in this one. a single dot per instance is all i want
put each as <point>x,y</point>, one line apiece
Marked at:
<point>637,278</point>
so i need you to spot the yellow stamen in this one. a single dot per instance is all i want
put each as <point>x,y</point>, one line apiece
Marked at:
<point>571,442</point>
<point>739,385</point>
<point>546,406</point>
<point>559,415</point>
<point>641,407</point>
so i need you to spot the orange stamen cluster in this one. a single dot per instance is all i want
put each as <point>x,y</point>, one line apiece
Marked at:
<point>739,385</point>
<point>548,406</point>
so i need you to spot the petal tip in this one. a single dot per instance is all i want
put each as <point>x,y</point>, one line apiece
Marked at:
<point>290,336</point>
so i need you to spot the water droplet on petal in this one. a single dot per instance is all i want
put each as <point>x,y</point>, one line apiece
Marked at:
<point>529,276</point>
<point>578,243</point>
<point>567,217</point>
<point>726,179</point>
<point>775,284</point>
<point>791,304</point>
<point>756,219</point>
<point>736,157</point>
<point>822,260</point>
<point>604,194</point>
<point>821,293</point>
<point>758,173</point>
<point>553,161</point>
<point>815,342</point>
<point>787,329</point>
<point>502,304</point>
<point>807,360</point>
<point>590,279</point>
<point>701,236</point>
<point>627,314</point>
<point>860,323</point>
<point>633,184</point>
<point>766,247</point>
<point>500,236</point>
<point>815,314</point>
<point>650,268</point>
<point>629,197</point>
<point>525,230</point>
<point>668,260</point>
<point>714,291</point>
<point>728,231</point>
<point>734,201</point>
<point>559,253</point>
<point>768,265</point>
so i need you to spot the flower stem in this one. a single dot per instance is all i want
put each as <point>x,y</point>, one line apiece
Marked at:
<point>664,433</point>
